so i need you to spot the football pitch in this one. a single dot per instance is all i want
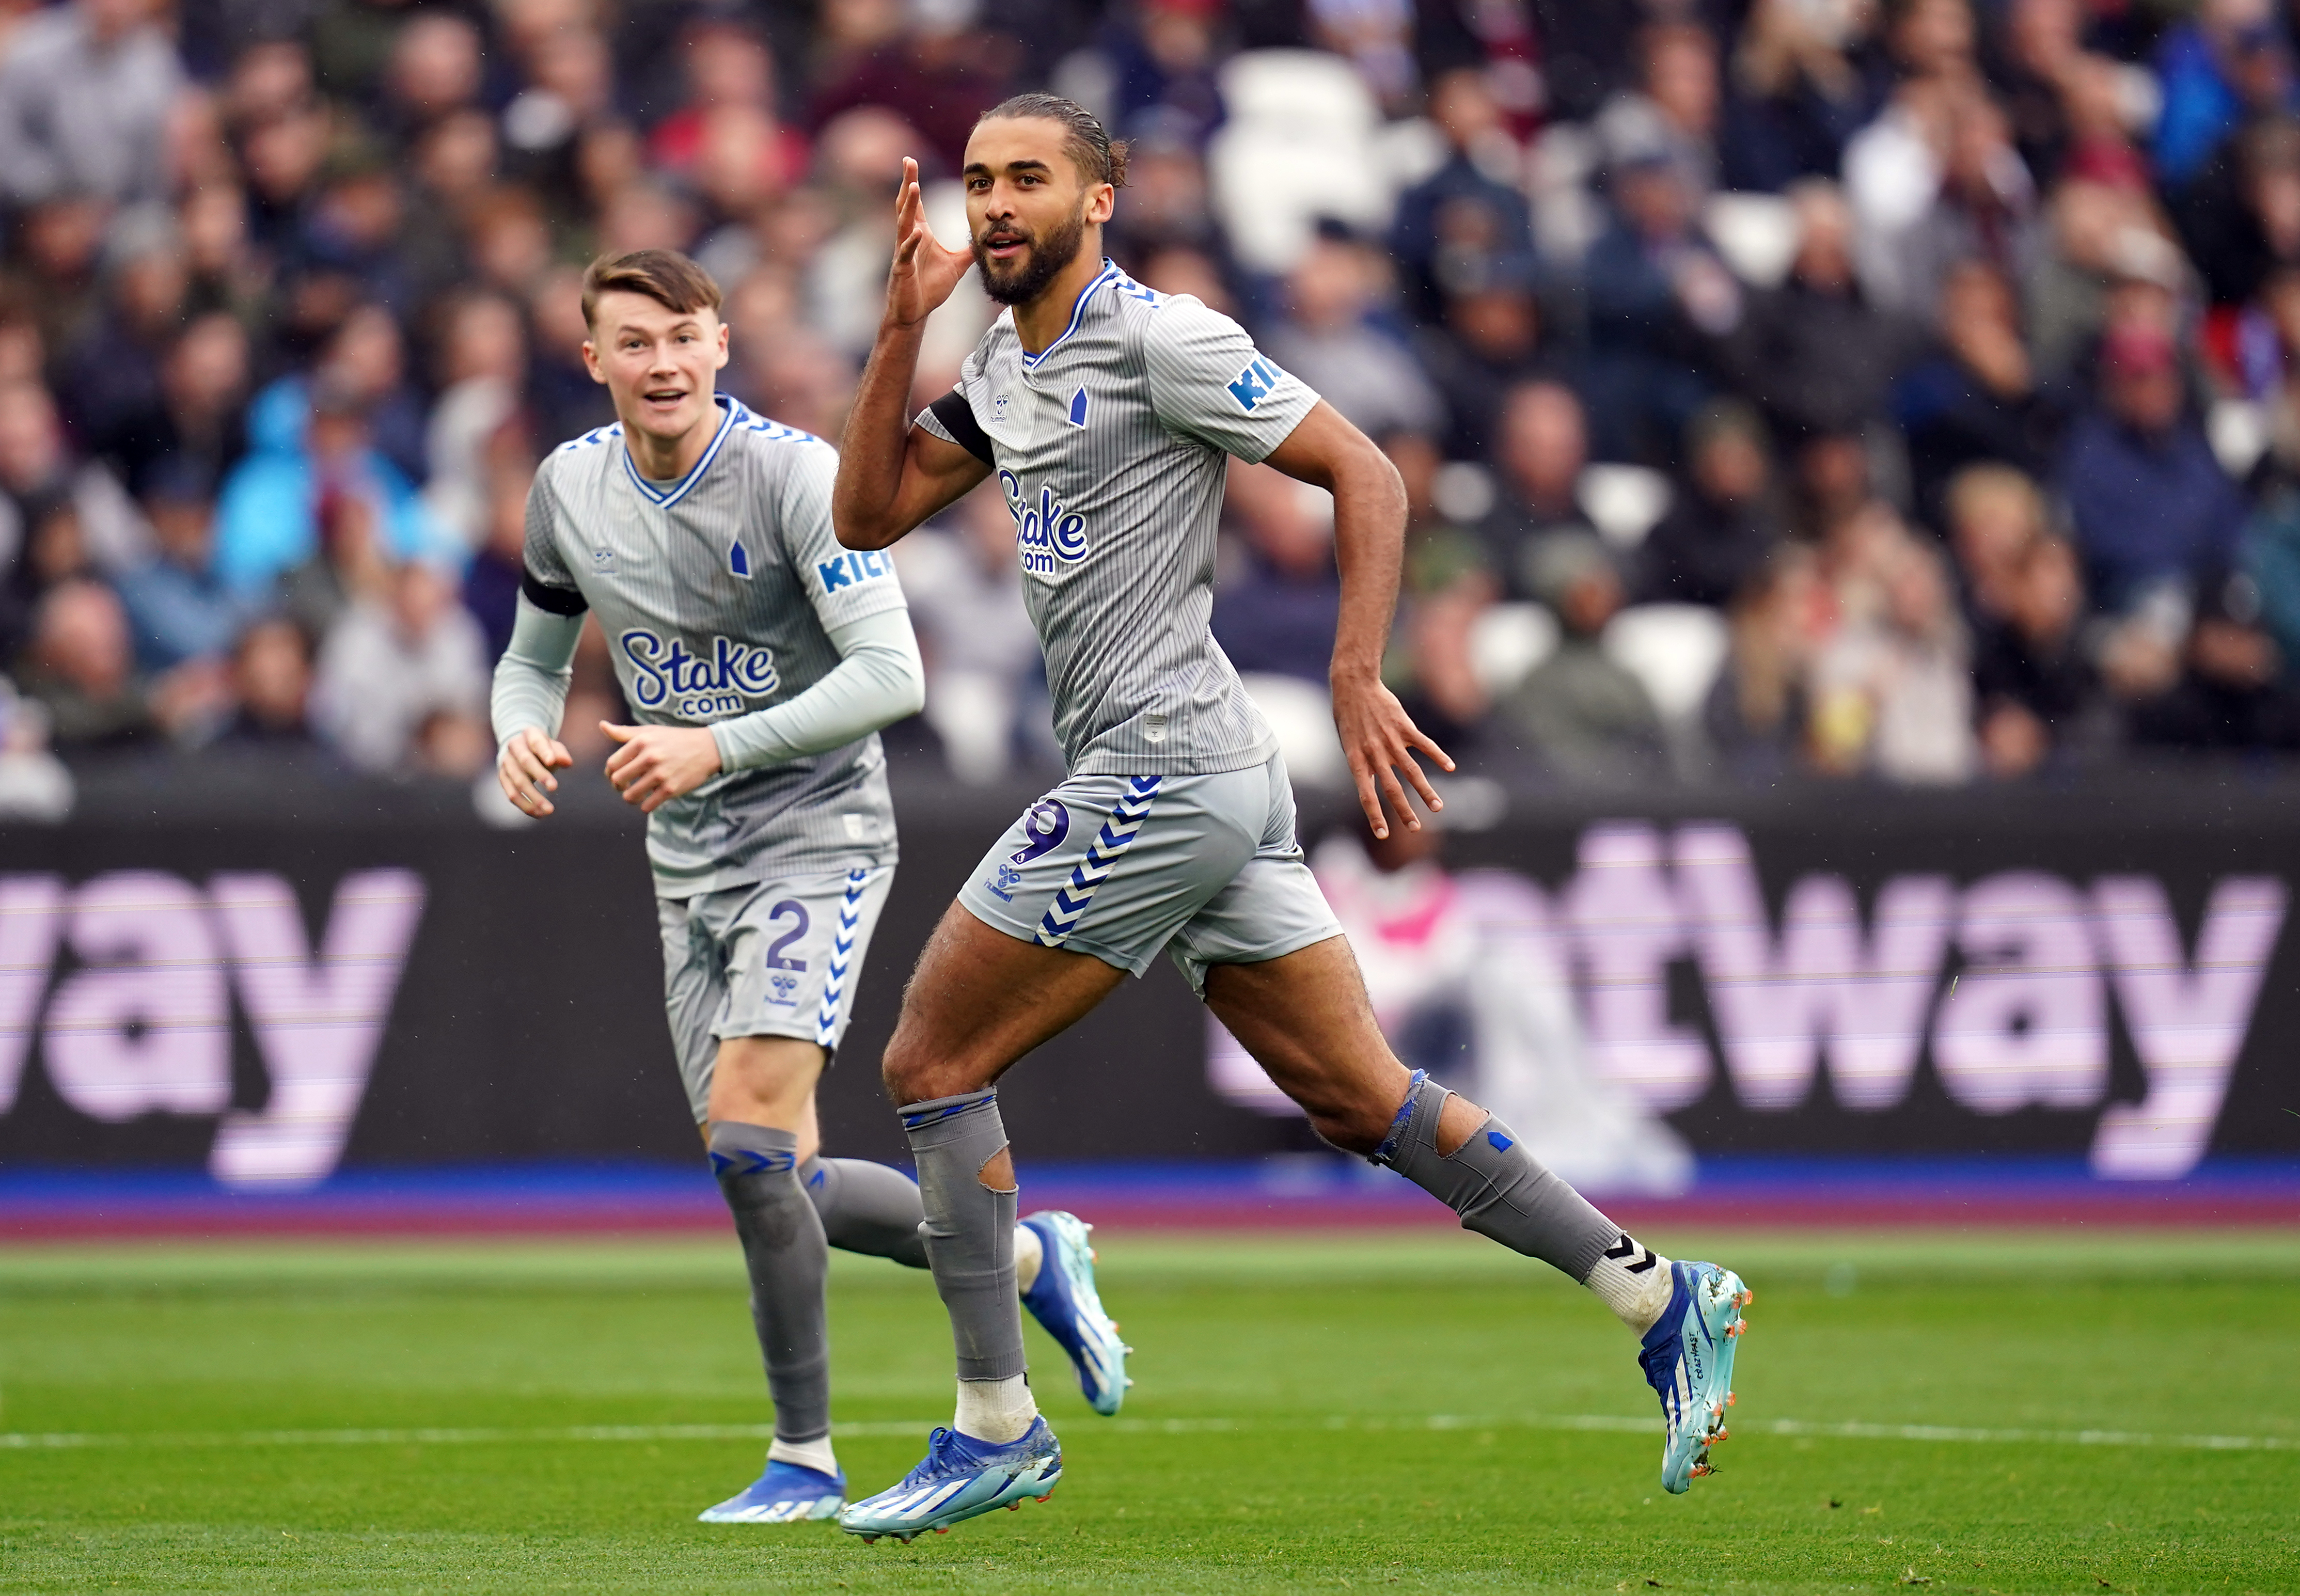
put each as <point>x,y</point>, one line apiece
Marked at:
<point>2072,1412</point>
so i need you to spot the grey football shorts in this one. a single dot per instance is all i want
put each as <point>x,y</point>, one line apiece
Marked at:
<point>779,958</point>
<point>1206,867</point>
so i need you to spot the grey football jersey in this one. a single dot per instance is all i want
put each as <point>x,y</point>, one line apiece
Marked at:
<point>1111,447</point>
<point>715,593</point>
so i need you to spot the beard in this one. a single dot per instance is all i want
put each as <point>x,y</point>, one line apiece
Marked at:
<point>1027,278</point>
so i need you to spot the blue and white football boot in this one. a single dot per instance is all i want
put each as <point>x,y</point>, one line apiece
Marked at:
<point>1689,1360</point>
<point>960,1478</point>
<point>1063,1299</point>
<point>787,1493</point>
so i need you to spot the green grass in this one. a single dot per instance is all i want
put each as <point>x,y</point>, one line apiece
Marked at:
<point>1312,1413</point>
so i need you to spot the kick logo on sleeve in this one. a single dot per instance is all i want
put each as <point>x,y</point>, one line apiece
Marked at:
<point>1252,385</point>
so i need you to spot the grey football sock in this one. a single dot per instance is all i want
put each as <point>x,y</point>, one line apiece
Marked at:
<point>867,1208</point>
<point>1496,1185</point>
<point>969,1229</point>
<point>788,1257</point>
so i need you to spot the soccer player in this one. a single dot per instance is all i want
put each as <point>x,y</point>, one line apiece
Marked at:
<point>1107,412</point>
<point>761,658</point>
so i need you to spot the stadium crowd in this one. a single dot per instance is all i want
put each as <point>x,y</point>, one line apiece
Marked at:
<point>1907,389</point>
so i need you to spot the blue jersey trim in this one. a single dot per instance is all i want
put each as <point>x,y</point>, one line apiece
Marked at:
<point>655,493</point>
<point>1109,274</point>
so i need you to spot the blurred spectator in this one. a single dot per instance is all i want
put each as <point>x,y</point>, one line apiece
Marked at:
<point>271,685</point>
<point>402,684</point>
<point>986,694</point>
<point>482,363</point>
<point>1933,182</point>
<point>942,71</point>
<point>110,380</point>
<point>437,69</point>
<point>491,581</point>
<point>37,473</point>
<point>1978,397</point>
<point>1166,207</point>
<point>2230,60</point>
<point>1276,610</point>
<point>178,608</point>
<point>1328,341</point>
<point>1993,516</point>
<point>1448,586</point>
<point>1467,224</point>
<point>2240,219</point>
<point>311,447</point>
<point>1815,355</point>
<point>726,66</point>
<point>350,565</point>
<point>1162,57</point>
<point>1582,716</point>
<point>2039,693</point>
<point>1489,340</point>
<point>1658,298</point>
<point>1544,443</point>
<point>1804,78</point>
<point>85,92</point>
<point>193,426</point>
<point>1671,114</point>
<point>1756,714</point>
<point>1892,690</point>
<point>2229,692</point>
<point>2149,501</point>
<point>80,665</point>
<point>566,404</point>
<point>1715,537</point>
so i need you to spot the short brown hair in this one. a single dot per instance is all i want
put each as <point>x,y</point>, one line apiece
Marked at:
<point>665,275</point>
<point>1099,157</point>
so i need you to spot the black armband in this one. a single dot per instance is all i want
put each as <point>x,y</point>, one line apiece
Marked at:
<point>552,600</point>
<point>957,417</point>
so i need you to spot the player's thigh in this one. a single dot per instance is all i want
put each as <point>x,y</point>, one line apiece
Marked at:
<point>1305,1018</point>
<point>694,994</point>
<point>980,998</point>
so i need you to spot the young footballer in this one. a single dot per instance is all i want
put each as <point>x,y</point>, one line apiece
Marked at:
<point>1108,413</point>
<point>760,658</point>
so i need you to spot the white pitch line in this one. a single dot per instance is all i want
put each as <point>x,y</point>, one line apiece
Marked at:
<point>1849,1430</point>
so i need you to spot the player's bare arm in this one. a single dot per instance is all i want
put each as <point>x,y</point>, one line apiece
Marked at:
<point>893,476</point>
<point>524,767</point>
<point>1379,737</point>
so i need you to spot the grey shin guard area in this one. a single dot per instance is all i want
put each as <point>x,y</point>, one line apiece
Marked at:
<point>1498,1187</point>
<point>783,1248</point>
<point>969,1229</point>
<point>867,1208</point>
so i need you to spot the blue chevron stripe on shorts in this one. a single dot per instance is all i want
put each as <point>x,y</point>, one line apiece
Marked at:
<point>1102,855</point>
<point>842,954</point>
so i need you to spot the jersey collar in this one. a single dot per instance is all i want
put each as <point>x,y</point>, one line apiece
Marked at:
<point>1109,274</point>
<point>666,494</point>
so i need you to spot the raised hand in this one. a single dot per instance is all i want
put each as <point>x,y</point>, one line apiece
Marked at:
<point>1380,739</point>
<point>924,272</point>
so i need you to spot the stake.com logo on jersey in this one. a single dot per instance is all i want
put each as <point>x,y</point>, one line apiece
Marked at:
<point>696,685</point>
<point>1043,532</point>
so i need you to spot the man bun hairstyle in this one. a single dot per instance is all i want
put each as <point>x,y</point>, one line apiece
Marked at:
<point>665,275</point>
<point>1099,157</point>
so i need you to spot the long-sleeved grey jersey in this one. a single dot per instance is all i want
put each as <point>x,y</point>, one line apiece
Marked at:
<point>1111,447</point>
<point>716,593</point>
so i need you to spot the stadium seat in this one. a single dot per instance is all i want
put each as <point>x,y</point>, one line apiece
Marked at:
<point>1302,715</point>
<point>1675,650</point>
<point>1507,642</point>
<point>1756,234</point>
<point>1622,502</point>
<point>1304,141</point>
